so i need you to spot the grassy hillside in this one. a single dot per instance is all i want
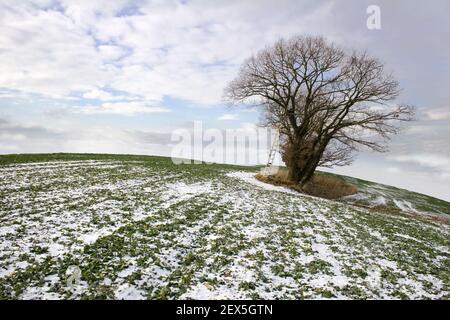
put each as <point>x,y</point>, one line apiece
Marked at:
<point>140,227</point>
<point>376,194</point>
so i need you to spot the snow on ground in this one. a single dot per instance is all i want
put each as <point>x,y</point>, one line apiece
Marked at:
<point>404,205</point>
<point>150,229</point>
<point>377,195</point>
<point>249,177</point>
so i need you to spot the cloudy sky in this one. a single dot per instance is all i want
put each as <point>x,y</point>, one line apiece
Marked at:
<point>120,76</point>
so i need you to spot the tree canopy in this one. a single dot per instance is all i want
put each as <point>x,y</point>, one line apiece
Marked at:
<point>325,101</point>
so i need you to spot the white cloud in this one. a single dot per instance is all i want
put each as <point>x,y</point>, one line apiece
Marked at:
<point>250,110</point>
<point>437,162</point>
<point>393,169</point>
<point>98,94</point>
<point>187,51</point>
<point>47,54</point>
<point>100,139</point>
<point>111,53</point>
<point>122,108</point>
<point>228,116</point>
<point>106,96</point>
<point>438,114</point>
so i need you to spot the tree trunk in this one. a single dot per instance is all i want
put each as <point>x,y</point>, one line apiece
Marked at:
<point>295,173</point>
<point>294,162</point>
<point>309,169</point>
<point>303,163</point>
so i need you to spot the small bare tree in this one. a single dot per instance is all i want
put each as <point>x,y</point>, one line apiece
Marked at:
<point>326,103</point>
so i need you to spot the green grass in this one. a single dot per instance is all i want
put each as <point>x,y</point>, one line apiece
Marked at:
<point>140,226</point>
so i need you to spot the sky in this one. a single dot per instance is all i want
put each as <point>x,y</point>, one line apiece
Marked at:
<point>121,76</point>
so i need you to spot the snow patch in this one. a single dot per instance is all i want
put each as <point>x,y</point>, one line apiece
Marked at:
<point>249,177</point>
<point>127,291</point>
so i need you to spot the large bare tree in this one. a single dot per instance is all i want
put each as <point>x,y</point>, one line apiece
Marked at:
<point>325,101</point>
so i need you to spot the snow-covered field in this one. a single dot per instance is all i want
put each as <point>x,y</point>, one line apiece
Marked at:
<point>143,228</point>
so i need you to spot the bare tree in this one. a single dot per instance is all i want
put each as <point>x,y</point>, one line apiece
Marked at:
<point>326,102</point>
